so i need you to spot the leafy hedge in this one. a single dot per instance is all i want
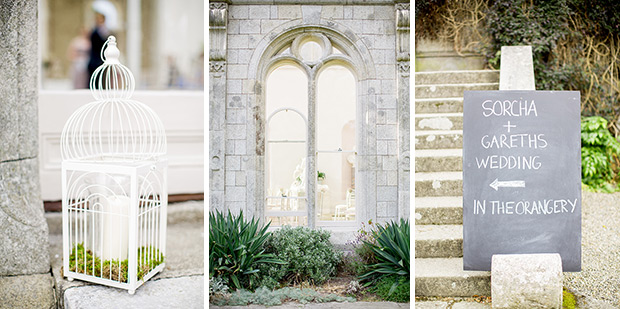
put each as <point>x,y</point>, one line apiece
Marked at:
<point>306,255</point>
<point>599,149</point>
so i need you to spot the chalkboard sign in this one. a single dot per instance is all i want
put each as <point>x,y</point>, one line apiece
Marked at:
<point>521,176</point>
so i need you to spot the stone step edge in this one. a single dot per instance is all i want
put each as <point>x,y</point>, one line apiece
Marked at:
<point>438,201</point>
<point>439,115</point>
<point>441,176</point>
<point>457,85</point>
<point>441,232</point>
<point>445,277</point>
<point>456,72</point>
<point>445,272</point>
<point>439,153</point>
<point>422,100</point>
<point>438,132</point>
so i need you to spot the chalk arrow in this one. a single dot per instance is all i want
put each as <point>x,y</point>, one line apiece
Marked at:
<point>512,184</point>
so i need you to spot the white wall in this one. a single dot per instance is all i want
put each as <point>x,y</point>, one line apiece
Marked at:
<point>180,33</point>
<point>182,113</point>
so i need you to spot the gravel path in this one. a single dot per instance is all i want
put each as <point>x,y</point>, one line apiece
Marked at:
<point>598,283</point>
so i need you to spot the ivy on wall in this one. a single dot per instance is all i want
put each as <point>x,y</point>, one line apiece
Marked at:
<point>576,43</point>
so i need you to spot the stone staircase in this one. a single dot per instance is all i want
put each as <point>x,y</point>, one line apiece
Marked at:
<point>439,183</point>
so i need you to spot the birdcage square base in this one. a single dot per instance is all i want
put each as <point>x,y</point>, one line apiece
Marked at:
<point>130,287</point>
<point>114,221</point>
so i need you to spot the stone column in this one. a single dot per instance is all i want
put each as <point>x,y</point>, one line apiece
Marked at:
<point>134,38</point>
<point>402,84</point>
<point>23,229</point>
<point>25,278</point>
<point>217,103</point>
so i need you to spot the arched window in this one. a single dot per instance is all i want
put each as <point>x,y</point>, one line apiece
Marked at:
<point>286,146</point>
<point>310,108</point>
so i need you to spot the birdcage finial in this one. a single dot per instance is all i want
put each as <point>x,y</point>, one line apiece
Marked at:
<point>110,53</point>
<point>112,80</point>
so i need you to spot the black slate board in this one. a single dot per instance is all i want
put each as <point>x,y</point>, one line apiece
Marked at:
<point>521,159</point>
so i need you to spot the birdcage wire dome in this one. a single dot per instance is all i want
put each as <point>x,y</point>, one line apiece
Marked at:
<point>114,128</point>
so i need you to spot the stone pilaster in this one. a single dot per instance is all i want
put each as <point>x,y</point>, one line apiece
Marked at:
<point>23,229</point>
<point>217,103</point>
<point>402,62</point>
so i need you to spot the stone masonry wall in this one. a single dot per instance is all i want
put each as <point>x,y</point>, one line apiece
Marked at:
<point>236,171</point>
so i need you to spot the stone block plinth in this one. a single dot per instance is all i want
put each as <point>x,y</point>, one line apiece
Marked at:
<point>526,281</point>
<point>516,68</point>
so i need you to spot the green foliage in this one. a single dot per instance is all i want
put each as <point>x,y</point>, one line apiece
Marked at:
<point>602,16</point>
<point>568,300</point>
<point>400,295</point>
<point>598,150</point>
<point>540,24</point>
<point>307,255</point>
<point>85,262</point>
<point>236,249</point>
<point>391,251</point>
<point>267,297</point>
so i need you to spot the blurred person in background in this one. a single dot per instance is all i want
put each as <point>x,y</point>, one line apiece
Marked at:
<point>79,54</point>
<point>97,37</point>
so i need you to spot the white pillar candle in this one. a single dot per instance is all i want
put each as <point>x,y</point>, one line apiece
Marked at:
<point>115,227</point>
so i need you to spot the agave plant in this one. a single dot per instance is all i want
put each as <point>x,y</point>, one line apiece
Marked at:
<point>391,249</point>
<point>236,249</point>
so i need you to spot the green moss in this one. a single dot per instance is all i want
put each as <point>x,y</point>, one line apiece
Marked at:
<point>568,300</point>
<point>85,262</point>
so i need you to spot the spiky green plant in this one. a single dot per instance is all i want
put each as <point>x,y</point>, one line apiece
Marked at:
<point>391,249</point>
<point>236,249</point>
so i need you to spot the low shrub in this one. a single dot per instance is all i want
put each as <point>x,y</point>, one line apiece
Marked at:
<point>266,297</point>
<point>236,249</point>
<point>383,286</point>
<point>217,286</point>
<point>307,256</point>
<point>391,249</point>
<point>599,149</point>
<point>363,255</point>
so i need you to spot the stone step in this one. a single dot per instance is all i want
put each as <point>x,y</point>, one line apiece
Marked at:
<point>438,160</point>
<point>443,121</point>
<point>449,90</point>
<point>439,210</point>
<point>457,77</point>
<point>438,241</point>
<point>438,105</point>
<point>446,277</point>
<point>439,184</point>
<point>435,139</point>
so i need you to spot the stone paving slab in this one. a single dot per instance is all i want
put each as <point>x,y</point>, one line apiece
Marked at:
<point>450,305</point>
<point>431,305</point>
<point>335,305</point>
<point>183,292</point>
<point>28,291</point>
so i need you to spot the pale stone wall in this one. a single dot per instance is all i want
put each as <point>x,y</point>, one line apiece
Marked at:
<point>23,230</point>
<point>242,33</point>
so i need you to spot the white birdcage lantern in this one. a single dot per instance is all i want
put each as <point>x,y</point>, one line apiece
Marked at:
<point>114,183</point>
